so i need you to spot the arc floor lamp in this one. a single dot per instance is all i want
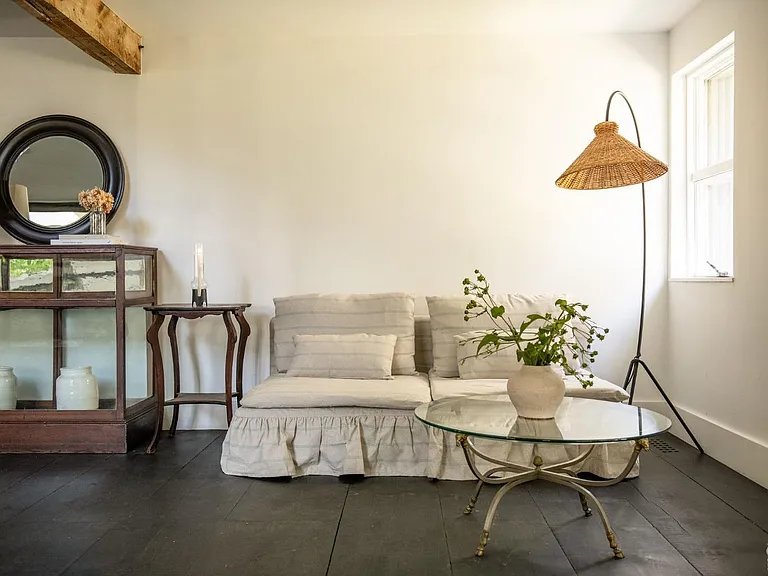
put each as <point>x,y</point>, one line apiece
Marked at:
<point>612,161</point>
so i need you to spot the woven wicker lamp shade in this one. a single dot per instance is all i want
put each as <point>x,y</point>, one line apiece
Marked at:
<point>610,161</point>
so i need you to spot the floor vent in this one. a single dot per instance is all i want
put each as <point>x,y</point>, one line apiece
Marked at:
<point>663,447</point>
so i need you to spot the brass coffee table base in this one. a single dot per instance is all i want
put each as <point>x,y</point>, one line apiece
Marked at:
<point>557,473</point>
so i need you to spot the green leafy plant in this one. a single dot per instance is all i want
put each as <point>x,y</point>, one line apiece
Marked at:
<point>563,338</point>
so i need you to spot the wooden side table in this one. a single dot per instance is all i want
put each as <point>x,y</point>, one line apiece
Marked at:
<point>176,311</point>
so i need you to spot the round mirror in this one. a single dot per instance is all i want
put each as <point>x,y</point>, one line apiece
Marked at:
<point>47,177</point>
<point>44,164</point>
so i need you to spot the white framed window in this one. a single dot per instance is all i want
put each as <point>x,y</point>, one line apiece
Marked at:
<point>701,207</point>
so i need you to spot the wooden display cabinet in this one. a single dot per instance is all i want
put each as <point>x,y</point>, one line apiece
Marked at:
<point>77,305</point>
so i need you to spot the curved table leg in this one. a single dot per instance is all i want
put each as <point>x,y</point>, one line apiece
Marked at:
<point>585,505</point>
<point>609,533</point>
<point>582,499</point>
<point>158,377</point>
<point>473,500</point>
<point>176,371</point>
<point>245,331</point>
<point>231,341</point>
<point>552,473</point>
<point>486,534</point>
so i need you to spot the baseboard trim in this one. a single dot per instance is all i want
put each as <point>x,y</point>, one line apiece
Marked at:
<point>745,455</point>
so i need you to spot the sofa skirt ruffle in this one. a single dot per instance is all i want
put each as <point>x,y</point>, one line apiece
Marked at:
<point>273,442</point>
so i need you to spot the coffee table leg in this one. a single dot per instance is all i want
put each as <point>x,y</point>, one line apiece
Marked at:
<point>520,475</point>
<point>558,473</point>
<point>583,499</point>
<point>473,500</point>
<point>588,496</point>
<point>486,534</point>
<point>585,505</point>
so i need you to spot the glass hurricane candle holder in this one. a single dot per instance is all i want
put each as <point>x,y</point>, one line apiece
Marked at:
<point>199,285</point>
<point>199,293</point>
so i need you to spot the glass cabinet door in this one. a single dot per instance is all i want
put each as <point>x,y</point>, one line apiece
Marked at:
<point>26,347</point>
<point>138,377</point>
<point>88,340</point>
<point>88,274</point>
<point>24,275</point>
<point>138,276</point>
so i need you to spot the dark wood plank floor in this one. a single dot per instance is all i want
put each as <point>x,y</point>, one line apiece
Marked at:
<point>176,513</point>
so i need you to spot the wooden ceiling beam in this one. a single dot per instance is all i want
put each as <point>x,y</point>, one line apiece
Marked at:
<point>94,28</point>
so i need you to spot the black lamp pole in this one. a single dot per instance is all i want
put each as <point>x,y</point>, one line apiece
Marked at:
<point>637,362</point>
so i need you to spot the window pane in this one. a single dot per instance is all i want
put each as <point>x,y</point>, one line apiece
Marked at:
<point>720,117</point>
<point>56,218</point>
<point>713,225</point>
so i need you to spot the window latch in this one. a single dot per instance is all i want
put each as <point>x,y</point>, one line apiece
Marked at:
<point>719,273</point>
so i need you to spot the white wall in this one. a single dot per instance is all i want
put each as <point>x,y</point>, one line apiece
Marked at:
<point>331,150</point>
<point>717,331</point>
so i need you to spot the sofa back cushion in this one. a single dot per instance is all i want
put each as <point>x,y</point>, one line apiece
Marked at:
<point>382,314</point>
<point>423,344</point>
<point>446,315</point>
<point>473,367</point>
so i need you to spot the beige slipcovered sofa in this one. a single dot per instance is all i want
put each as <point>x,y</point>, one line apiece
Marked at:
<point>296,426</point>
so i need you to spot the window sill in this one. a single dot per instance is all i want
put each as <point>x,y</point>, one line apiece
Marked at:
<point>715,279</point>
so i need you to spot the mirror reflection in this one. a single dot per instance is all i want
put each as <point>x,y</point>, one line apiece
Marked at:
<point>47,177</point>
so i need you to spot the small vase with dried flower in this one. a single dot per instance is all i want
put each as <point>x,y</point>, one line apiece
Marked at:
<point>98,203</point>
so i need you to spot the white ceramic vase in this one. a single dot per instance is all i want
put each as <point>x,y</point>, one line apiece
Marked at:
<point>77,389</point>
<point>536,391</point>
<point>8,388</point>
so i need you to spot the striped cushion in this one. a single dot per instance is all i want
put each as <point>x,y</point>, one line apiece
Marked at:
<point>446,315</point>
<point>380,314</point>
<point>364,356</point>
<point>473,367</point>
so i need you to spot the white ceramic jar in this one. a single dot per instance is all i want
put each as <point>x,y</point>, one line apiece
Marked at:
<point>77,389</point>
<point>8,388</point>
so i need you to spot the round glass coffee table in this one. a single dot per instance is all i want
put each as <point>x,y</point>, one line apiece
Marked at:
<point>578,421</point>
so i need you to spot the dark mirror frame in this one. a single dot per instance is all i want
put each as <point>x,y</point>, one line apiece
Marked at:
<point>43,127</point>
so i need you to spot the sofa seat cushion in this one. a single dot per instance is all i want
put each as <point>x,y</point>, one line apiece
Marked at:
<point>281,391</point>
<point>452,387</point>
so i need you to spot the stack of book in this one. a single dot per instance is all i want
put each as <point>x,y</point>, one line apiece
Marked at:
<point>89,239</point>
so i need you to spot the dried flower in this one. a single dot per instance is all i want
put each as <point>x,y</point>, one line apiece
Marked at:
<point>96,200</point>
